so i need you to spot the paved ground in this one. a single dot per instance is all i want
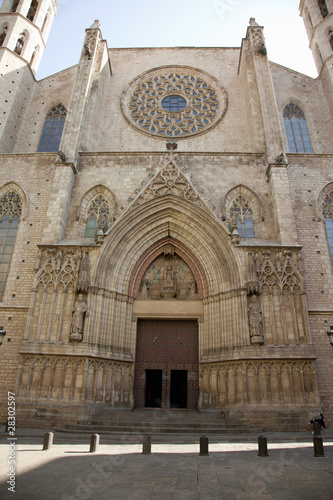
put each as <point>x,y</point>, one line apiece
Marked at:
<point>233,470</point>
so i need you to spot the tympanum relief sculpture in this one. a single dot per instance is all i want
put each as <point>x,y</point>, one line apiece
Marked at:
<point>168,277</point>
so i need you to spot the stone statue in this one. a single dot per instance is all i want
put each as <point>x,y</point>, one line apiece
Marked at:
<point>254,313</point>
<point>80,310</point>
<point>168,288</point>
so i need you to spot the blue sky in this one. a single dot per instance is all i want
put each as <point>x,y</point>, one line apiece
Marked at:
<point>158,23</point>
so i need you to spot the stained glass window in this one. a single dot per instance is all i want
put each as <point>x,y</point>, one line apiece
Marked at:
<point>173,103</point>
<point>243,214</point>
<point>97,218</point>
<point>327,209</point>
<point>10,214</point>
<point>52,131</point>
<point>296,129</point>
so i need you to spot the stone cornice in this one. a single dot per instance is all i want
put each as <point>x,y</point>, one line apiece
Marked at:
<point>179,153</point>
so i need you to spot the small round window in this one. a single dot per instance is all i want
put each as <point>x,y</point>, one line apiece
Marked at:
<point>173,103</point>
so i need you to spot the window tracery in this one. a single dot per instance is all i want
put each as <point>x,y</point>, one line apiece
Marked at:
<point>10,214</point>
<point>242,215</point>
<point>296,129</point>
<point>97,217</point>
<point>52,130</point>
<point>327,210</point>
<point>174,102</point>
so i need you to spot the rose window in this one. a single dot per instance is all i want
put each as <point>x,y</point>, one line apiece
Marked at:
<point>174,102</point>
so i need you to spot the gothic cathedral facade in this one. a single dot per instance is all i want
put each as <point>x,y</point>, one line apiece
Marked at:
<point>166,227</point>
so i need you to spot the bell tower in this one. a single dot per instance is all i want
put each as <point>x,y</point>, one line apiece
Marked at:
<point>318,20</point>
<point>24,28</point>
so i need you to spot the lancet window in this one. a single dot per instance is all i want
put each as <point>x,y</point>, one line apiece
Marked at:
<point>15,5</point>
<point>296,129</point>
<point>241,214</point>
<point>52,130</point>
<point>19,45</point>
<point>327,209</point>
<point>32,11</point>
<point>3,35</point>
<point>97,217</point>
<point>10,214</point>
<point>323,8</point>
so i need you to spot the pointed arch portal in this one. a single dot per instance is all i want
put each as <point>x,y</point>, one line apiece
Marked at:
<point>166,333</point>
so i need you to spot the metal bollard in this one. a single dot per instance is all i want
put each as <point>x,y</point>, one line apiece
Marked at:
<point>204,446</point>
<point>262,446</point>
<point>318,447</point>
<point>48,440</point>
<point>146,445</point>
<point>316,428</point>
<point>94,442</point>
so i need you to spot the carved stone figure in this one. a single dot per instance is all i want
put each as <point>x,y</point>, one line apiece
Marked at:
<point>80,310</point>
<point>168,277</point>
<point>254,313</point>
<point>168,288</point>
<point>83,281</point>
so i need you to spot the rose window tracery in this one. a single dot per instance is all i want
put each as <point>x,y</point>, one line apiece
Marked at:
<point>174,102</point>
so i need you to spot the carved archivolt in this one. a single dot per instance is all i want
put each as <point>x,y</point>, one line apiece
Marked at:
<point>258,383</point>
<point>78,380</point>
<point>204,102</point>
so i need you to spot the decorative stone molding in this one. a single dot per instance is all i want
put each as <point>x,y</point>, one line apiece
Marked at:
<point>57,267</point>
<point>258,383</point>
<point>76,380</point>
<point>204,102</point>
<point>170,180</point>
<point>280,268</point>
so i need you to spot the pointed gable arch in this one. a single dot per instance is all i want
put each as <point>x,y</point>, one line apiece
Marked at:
<point>135,237</point>
<point>106,200</point>
<point>325,212</point>
<point>253,199</point>
<point>11,210</point>
<point>13,186</point>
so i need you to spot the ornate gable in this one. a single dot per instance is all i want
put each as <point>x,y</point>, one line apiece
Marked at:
<point>170,180</point>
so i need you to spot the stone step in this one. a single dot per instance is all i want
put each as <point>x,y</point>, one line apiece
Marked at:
<point>158,422</point>
<point>157,428</point>
<point>158,432</point>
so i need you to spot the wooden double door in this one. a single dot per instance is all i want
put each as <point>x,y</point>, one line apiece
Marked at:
<point>166,366</point>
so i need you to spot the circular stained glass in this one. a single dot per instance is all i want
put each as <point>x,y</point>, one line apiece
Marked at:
<point>173,103</point>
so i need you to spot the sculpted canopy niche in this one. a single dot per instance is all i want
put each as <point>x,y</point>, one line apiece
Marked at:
<point>174,101</point>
